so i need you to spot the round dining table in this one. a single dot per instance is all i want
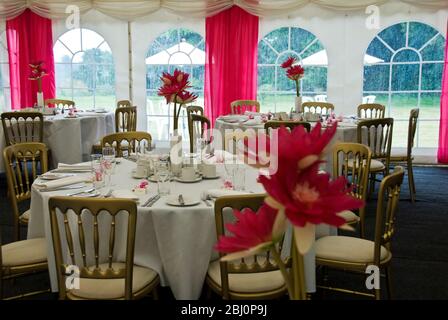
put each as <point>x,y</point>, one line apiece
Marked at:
<point>175,241</point>
<point>71,139</point>
<point>345,132</point>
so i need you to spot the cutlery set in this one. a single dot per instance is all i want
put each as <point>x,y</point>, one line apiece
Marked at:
<point>151,201</point>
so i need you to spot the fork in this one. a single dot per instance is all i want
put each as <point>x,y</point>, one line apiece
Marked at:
<point>154,200</point>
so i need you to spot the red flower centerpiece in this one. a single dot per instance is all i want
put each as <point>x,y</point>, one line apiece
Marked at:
<point>174,89</point>
<point>298,193</point>
<point>294,72</point>
<point>37,73</point>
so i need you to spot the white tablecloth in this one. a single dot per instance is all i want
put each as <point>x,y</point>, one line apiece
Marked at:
<point>176,242</point>
<point>71,140</point>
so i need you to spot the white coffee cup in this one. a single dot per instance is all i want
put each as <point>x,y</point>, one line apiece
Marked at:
<point>141,171</point>
<point>188,173</point>
<point>209,170</point>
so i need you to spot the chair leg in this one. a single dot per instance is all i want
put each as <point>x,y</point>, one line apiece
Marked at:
<point>389,283</point>
<point>372,184</point>
<point>411,181</point>
<point>155,293</point>
<point>377,294</point>
<point>362,213</point>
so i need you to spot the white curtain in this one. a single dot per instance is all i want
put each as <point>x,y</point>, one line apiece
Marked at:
<point>133,9</point>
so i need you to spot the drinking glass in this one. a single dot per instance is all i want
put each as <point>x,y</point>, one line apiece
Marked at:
<point>109,162</point>
<point>239,177</point>
<point>163,175</point>
<point>98,174</point>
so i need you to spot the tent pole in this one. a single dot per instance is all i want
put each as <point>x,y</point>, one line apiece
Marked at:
<point>130,61</point>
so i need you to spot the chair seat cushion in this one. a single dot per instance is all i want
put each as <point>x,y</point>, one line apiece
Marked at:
<point>25,217</point>
<point>347,249</point>
<point>24,252</point>
<point>375,165</point>
<point>248,282</point>
<point>349,216</point>
<point>113,288</point>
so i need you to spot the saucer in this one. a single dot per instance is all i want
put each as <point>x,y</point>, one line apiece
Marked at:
<point>135,176</point>
<point>211,178</point>
<point>188,201</point>
<point>196,179</point>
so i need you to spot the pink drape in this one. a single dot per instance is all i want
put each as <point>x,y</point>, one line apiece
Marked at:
<point>231,40</point>
<point>30,39</point>
<point>442,154</point>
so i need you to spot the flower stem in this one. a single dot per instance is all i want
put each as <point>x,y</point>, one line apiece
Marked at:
<point>297,87</point>
<point>282,267</point>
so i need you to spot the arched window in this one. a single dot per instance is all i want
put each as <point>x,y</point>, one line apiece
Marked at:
<point>275,91</point>
<point>5,99</point>
<point>177,48</point>
<point>84,69</point>
<point>403,70</point>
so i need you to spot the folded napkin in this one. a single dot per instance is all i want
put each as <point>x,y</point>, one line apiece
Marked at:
<point>216,193</point>
<point>75,167</point>
<point>55,184</point>
<point>124,194</point>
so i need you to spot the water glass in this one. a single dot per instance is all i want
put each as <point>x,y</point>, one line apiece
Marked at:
<point>109,162</point>
<point>163,176</point>
<point>239,178</point>
<point>98,172</point>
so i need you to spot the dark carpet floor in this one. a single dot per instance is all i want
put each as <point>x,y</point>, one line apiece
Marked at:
<point>420,246</point>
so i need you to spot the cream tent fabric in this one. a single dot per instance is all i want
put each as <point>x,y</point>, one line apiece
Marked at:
<point>133,9</point>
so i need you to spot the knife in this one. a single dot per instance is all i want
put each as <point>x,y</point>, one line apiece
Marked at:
<point>181,200</point>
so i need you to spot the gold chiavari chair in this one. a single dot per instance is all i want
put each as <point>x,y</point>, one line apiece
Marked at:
<point>127,142</point>
<point>352,160</point>
<point>408,158</point>
<point>22,258</point>
<point>233,138</point>
<point>240,106</point>
<point>23,163</point>
<point>377,135</point>
<point>322,108</point>
<point>125,119</point>
<point>198,126</point>
<point>355,254</point>
<point>274,124</point>
<point>19,127</point>
<point>64,104</point>
<point>101,275</point>
<point>254,277</point>
<point>371,111</point>
<point>198,110</point>
<point>124,103</point>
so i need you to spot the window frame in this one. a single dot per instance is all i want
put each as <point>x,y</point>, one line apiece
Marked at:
<point>72,88</point>
<point>278,63</point>
<point>6,104</point>
<point>390,92</point>
<point>170,68</point>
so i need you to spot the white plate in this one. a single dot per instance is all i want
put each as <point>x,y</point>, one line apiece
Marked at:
<point>189,201</point>
<point>101,111</point>
<point>197,179</point>
<point>88,195</point>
